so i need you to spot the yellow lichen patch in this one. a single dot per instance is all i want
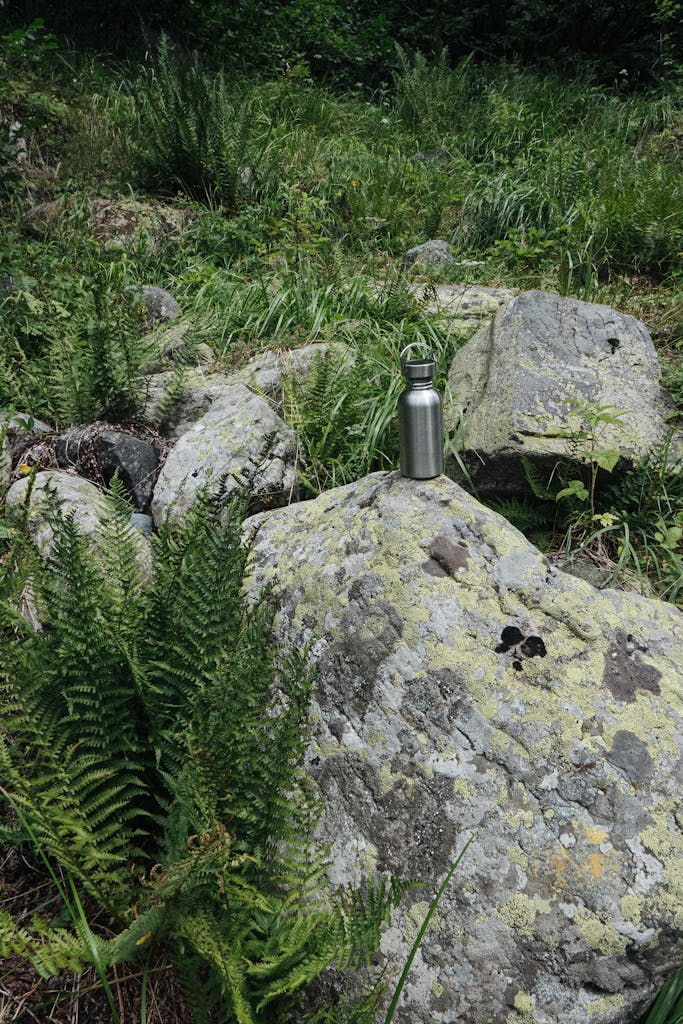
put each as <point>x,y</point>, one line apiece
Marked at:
<point>644,719</point>
<point>522,1002</point>
<point>673,877</point>
<point>387,779</point>
<point>367,860</point>
<point>605,1003</point>
<point>600,936</point>
<point>489,707</point>
<point>632,907</point>
<point>437,988</point>
<point>415,918</point>
<point>522,817</point>
<point>515,856</point>
<point>661,839</point>
<point>520,912</point>
<point>523,1012</point>
<point>463,788</point>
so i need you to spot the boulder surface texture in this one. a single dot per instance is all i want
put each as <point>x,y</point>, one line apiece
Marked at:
<point>240,437</point>
<point>467,688</point>
<point>519,379</point>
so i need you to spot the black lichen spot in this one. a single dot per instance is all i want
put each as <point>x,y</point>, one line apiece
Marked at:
<point>613,344</point>
<point>533,647</point>
<point>625,673</point>
<point>451,557</point>
<point>517,665</point>
<point>510,636</point>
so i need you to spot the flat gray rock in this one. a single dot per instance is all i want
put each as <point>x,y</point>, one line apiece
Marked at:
<point>239,438</point>
<point>463,306</point>
<point>519,380</point>
<point>467,688</point>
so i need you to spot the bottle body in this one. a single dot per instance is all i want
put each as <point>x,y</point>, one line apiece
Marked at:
<point>420,431</point>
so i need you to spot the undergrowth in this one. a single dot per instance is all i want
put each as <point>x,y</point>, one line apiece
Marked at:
<point>300,202</point>
<point>150,747</point>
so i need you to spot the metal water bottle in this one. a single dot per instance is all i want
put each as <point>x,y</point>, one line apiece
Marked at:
<point>420,427</point>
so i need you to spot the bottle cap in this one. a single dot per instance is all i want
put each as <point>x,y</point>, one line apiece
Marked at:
<point>418,369</point>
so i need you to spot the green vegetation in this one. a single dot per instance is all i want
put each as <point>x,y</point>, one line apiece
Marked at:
<point>295,202</point>
<point>150,749</point>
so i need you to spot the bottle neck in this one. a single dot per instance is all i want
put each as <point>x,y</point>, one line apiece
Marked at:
<point>420,385</point>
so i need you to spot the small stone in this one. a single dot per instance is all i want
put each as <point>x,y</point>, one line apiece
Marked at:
<point>159,304</point>
<point>435,253</point>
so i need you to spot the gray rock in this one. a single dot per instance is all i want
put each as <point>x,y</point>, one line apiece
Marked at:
<point>567,906</point>
<point>518,381</point>
<point>241,438</point>
<point>463,306</point>
<point>265,370</point>
<point>135,460</point>
<point>5,456</point>
<point>432,156</point>
<point>435,253</point>
<point>263,374</point>
<point>73,496</point>
<point>159,304</point>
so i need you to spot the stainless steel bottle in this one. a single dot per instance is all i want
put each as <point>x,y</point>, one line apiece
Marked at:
<point>420,427</point>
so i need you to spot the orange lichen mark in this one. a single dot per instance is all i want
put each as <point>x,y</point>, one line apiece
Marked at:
<point>560,862</point>
<point>594,835</point>
<point>597,863</point>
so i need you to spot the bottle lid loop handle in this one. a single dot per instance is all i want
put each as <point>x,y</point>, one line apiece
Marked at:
<point>415,344</point>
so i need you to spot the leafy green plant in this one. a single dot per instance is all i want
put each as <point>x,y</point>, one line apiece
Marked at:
<point>72,347</point>
<point>430,94</point>
<point>200,132</point>
<point>587,437</point>
<point>668,1007</point>
<point>151,742</point>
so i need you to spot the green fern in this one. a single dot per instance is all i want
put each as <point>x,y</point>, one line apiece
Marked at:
<point>151,746</point>
<point>201,133</point>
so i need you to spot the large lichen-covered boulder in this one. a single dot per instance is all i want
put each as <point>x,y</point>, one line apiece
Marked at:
<point>529,382</point>
<point>467,688</point>
<point>239,442</point>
